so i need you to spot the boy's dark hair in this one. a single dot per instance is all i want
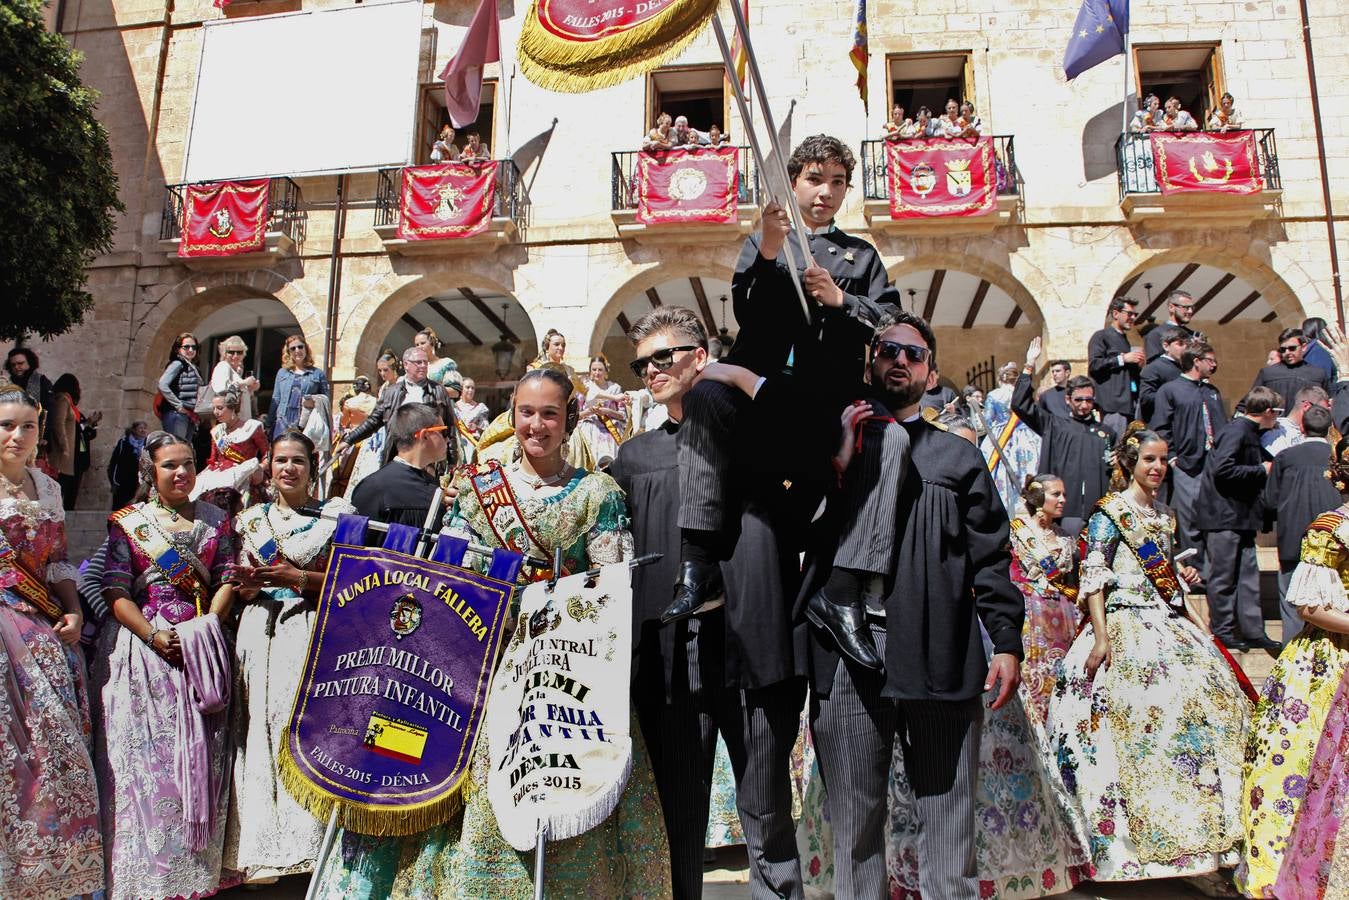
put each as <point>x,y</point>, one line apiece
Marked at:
<point>1173,333</point>
<point>1061,362</point>
<point>1292,333</point>
<point>1316,422</point>
<point>680,320</point>
<point>1120,303</point>
<point>1078,382</point>
<point>820,148</point>
<point>1260,400</point>
<point>409,419</point>
<point>904,317</point>
<point>1193,353</point>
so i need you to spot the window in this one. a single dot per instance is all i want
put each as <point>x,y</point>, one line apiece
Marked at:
<point>698,92</point>
<point>434,116</point>
<point>930,79</point>
<point>1192,73</point>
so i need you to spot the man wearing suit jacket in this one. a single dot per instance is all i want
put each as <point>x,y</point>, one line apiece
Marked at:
<point>1113,362</point>
<point>1230,512</point>
<point>413,387</point>
<point>1297,492</point>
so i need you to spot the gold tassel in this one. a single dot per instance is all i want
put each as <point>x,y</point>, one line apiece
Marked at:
<point>380,822</point>
<point>574,67</point>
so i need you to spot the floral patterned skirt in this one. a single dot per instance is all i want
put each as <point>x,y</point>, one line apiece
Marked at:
<point>50,843</point>
<point>1152,746</point>
<point>1050,626</point>
<point>625,856</point>
<point>1317,861</point>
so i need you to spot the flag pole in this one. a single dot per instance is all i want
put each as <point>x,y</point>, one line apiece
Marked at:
<point>756,78</point>
<point>757,150</point>
<point>1124,128</point>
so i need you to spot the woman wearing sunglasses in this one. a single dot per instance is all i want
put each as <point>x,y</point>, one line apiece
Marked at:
<point>297,379</point>
<point>552,505</point>
<point>228,373</point>
<point>180,387</point>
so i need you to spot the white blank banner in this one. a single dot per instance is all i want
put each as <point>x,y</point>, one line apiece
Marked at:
<point>306,93</point>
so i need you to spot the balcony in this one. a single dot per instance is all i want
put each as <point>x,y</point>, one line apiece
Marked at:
<point>626,189</point>
<point>876,195</point>
<point>286,224</point>
<point>1144,204</point>
<point>510,208</point>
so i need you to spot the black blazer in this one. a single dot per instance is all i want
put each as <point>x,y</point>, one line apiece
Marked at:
<point>1231,494</point>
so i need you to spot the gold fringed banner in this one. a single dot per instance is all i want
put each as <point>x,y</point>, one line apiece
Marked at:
<point>573,46</point>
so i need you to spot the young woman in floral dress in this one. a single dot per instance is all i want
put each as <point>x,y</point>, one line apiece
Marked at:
<point>1148,721</point>
<point>50,842</point>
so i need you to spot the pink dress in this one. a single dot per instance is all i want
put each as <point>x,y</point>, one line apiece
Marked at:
<point>1051,621</point>
<point>1317,861</point>
<point>144,701</point>
<point>50,844</point>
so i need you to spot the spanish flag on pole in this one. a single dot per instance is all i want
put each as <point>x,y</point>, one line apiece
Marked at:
<point>859,53</point>
<point>738,53</point>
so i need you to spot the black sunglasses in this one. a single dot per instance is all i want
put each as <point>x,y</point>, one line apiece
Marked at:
<point>892,349</point>
<point>661,359</point>
<point>1291,348</point>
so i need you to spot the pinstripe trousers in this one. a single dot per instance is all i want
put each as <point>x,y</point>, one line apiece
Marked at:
<point>855,729</point>
<point>759,726</point>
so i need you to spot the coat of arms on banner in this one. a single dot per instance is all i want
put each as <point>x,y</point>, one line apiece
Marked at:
<point>923,179</point>
<point>558,718</point>
<point>958,177</point>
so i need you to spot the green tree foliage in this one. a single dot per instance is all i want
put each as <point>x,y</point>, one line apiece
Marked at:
<point>58,189</point>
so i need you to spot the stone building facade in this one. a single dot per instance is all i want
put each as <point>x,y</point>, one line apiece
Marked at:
<point>1048,263</point>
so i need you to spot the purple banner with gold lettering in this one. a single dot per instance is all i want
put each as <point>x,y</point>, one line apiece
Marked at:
<point>393,691</point>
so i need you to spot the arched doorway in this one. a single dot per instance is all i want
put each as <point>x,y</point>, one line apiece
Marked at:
<point>1233,315</point>
<point>978,323</point>
<point>708,296</point>
<point>264,323</point>
<point>488,335</point>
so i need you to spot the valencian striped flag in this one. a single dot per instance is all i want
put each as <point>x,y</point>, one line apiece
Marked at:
<point>738,54</point>
<point>1098,35</point>
<point>859,53</point>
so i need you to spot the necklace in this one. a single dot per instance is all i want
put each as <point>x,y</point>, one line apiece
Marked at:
<point>12,489</point>
<point>538,481</point>
<point>174,514</point>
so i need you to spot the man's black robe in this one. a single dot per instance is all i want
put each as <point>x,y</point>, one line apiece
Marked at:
<point>1297,491</point>
<point>951,574</point>
<point>396,493</point>
<point>1078,452</point>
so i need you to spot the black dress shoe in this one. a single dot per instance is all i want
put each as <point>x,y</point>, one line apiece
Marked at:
<point>1266,643</point>
<point>847,625</point>
<point>1234,645</point>
<point>699,589</point>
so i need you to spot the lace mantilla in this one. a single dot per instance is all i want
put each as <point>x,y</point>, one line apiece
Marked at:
<point>301,539</point>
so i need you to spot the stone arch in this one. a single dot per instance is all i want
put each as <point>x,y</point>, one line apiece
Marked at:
<point>190,301</point>
<point>365,328</point>
<point>981,268</point>
<point>715,261</point>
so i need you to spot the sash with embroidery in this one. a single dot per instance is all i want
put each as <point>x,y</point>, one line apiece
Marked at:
<point>172,563</point>
<point>1040,566</point>
<point>493,490</point>
<point>466,432</point>
<point>610,427</point>
<point>1156,565</point>
<point>227,450</point>
<point>263,547</point>
<point>15,576</point>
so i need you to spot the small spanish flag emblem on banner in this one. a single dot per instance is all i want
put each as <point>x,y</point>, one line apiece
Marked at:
<point>395,739</point>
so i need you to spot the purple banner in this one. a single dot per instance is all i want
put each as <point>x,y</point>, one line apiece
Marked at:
<point>394,688</point>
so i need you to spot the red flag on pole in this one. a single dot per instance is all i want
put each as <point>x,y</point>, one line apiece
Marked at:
<point>463,73</point>
<point>860,54</point>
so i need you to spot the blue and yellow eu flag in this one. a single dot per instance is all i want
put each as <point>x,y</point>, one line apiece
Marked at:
<point>1098,34</point>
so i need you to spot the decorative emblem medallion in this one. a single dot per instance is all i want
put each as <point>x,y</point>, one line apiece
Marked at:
<point>923,178</point>
<point>688,183</point>
<point>958,181</point>
<point>406,616</point>
<point>223,226</point>
<point>1212,166</point>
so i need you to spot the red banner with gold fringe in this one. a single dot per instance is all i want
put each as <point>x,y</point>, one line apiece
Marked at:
<point>688,186</point>
<point>224,218</point>
<point>1197,161</point>
<point>446,201</point>
<point>931,177</point>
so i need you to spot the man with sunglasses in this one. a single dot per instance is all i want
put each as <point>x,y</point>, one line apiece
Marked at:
<point>1180,310</point>
<point>413,387</point>
<point>1079,449</point>
<point>734,671</point>
<point>1291,373</point>
<point>848,290</point>
<point>1113,363</point>
<point>949,575</point>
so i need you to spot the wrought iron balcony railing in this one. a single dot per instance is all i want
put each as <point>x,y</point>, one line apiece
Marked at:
<point>876,168</point>
<point>624,179</point>
<point>510,202</point>
<point>1138,171</point>
<point>284,214</point>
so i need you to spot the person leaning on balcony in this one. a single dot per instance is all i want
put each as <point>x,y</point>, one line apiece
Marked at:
<point>715,137</point>
<point>949,125</point>
<point>921,126</point>
<point>1176,119</point>
<point>475,149</point>
<point>973,125</point>
<point>1148,117</point>
<point>659,138</point>
<point>894,129</point>
<point>685,135</point>
<point>1225,117</point>
<point>444,150</point>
